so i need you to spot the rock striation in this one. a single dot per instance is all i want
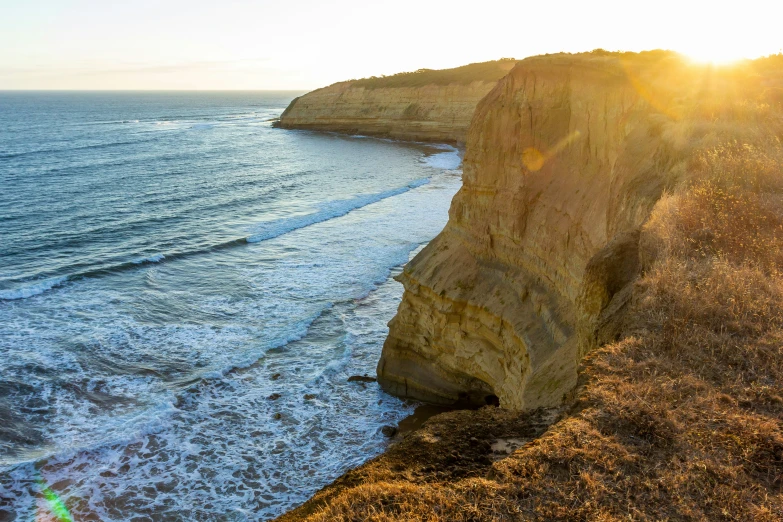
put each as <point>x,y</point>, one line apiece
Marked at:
<point>426,105</point>
<point>565,158</point>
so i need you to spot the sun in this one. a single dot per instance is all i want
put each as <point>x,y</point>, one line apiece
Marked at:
<point>720,54</point>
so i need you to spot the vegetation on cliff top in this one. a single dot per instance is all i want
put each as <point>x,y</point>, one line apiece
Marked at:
<point>679,419</point>
<point>491,71</point>
<point>474,72</point>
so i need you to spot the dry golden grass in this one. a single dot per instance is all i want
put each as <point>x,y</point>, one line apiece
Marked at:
<point>474,72</point>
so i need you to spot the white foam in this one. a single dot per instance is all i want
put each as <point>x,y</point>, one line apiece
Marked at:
<point>36,288</point>
<point>167,125</point>
<point>329,210</point>
<point>218,441</point>
<point>450,159</point>
<point>151,259</point>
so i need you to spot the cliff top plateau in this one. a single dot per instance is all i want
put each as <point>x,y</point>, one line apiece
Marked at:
<point>611,274</point>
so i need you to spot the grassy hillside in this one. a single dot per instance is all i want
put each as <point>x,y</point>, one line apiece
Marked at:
<point>485,71</point>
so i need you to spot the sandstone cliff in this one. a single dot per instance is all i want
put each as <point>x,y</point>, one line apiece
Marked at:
<point>629,206</point>
<point>565,159</point>
<point>422,106</point>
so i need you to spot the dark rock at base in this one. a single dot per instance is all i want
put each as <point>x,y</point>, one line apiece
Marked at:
<point>389,431</point>
<point>440,452</point>
<point>275,376</point>
<point>274,397</point>
<point>277,416</point>
<point>361,378</point>
<point>310,396</point>
<point>419,416</point>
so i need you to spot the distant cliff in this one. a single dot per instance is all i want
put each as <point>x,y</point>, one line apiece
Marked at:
<point>426,105</point>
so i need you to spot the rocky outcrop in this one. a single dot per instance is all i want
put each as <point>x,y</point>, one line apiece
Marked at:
<point>422,106</point>
<point>565,158</point>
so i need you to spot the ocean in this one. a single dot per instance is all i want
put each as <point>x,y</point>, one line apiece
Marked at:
<point>185,291</point>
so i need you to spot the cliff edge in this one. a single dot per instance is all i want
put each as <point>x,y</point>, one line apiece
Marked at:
<point>617,249</point>
<point>565,159</point>
<point>425,105</point>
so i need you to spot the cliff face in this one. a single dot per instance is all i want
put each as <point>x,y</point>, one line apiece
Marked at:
<point>422,106</point>
<point>565,159</point>
<point>630,201</point>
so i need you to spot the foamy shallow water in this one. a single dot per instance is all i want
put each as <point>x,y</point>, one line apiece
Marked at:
<point>180,348</point>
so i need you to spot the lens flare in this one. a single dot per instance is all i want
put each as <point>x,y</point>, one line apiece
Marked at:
<point>56,507</point>
<point>533,159</point>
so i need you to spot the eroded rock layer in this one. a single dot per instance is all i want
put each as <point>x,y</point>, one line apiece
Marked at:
<point>565,158</point>
<point>426,105</point>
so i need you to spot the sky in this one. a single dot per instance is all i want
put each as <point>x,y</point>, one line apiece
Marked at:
<point>304,44</point>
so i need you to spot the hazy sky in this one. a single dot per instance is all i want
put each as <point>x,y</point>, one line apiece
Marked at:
<point>242,44</point>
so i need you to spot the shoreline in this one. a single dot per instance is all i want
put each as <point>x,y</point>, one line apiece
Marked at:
<point>444,447</point>
<point>356,134</point>
<point>369,133</point>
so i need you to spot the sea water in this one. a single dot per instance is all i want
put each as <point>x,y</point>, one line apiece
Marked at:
<point>184,292</point>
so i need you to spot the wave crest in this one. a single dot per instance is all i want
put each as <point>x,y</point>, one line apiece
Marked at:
<point>262,232</point>
<point>327,211</point>
<point>36,288</point>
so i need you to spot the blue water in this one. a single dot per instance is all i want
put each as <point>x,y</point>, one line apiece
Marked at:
<point>168,263</point>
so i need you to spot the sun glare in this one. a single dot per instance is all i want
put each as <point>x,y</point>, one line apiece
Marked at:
<point>714,54</point>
